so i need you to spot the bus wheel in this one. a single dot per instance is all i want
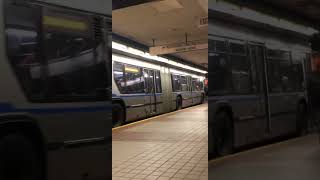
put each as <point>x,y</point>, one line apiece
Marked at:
<point>302,120</point>
<point>223,134</point>
<point>117,115</point>
<point>179,103</point>
<point>19,159</point>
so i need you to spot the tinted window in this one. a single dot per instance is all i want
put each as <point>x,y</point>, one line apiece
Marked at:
<point>217,46</point>
<point>22,32</point>
<point>184,83</point>
<point>219,74</point>
<point>280,74</point>
<point>241,78</point>
<point>68,65</point>
<point>158,82</point>
<point>237,49</point>
<point>118,75</point>
<point>73,48</point>
<point>134,79</point>
<point>176,84</point>
<point>197,85</point>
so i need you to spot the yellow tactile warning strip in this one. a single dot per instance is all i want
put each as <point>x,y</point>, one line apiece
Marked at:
<point>171,146</point>
<point>149,119</point>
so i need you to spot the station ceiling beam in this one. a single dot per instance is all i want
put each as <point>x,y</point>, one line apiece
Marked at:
<point>131,43</point>
<point>119,4</point>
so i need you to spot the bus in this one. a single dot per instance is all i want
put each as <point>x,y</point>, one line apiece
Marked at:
<point>257,89</point>
<point>145,85</point>
<point>55,95</point>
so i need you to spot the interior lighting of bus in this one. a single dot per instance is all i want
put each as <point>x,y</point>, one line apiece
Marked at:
<point>174,71</point>
<point>69,24</point>
<point>129,69</point>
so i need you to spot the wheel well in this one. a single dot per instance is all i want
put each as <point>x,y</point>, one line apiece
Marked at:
<point>28,128</point>
<point>119,101</point>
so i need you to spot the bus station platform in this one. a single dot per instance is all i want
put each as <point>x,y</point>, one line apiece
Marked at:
<point>169,146</point>
<point>294,159</point>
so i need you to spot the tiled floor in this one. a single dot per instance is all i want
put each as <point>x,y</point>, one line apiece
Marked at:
<point>297,159</point>
<point>172,146</point>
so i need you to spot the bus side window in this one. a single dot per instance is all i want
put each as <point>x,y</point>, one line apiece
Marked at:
<point>73,49</point>
<point>23,47</point>
<point>220,71</point>
<point>184,83</point>
<point>158,82</point>
<point>241,69</point>
<point>279,66</point>
<point>196,84</point>
<point>118,76</point>
<point>134,79</point>
<point>176,83</point>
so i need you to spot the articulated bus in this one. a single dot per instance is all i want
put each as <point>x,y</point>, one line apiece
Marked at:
<point>145,85</point>
<point>257,85</point>
<point>55,97</point>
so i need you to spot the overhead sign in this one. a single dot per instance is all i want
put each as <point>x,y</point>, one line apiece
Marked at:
<point>203,22</point>
<point>158,50</point>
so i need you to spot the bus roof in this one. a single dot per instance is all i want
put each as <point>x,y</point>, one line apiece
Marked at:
<point>96,6</point>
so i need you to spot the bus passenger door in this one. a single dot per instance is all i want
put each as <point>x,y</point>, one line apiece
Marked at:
<point>150,98</point>
<point>260,87</point>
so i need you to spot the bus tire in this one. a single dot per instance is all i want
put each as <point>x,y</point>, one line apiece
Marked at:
<point>302,120</point>
<point>223,134</point>
<point>179,103</point>
<point>118,116</point>
<point>19,158</point>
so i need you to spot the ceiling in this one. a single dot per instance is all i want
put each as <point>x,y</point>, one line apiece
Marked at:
<point>165,22</point>
<point>310,9</point>
<point>305,12</point>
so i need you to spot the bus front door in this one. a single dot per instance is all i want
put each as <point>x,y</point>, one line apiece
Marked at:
<point>150,98</point>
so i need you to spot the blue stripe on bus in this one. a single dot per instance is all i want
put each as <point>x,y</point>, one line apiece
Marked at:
<point>138,95</point>
<point>8,108</point>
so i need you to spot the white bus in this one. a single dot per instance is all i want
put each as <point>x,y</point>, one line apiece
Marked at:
<point>145,85</point>
<point>55,111</point>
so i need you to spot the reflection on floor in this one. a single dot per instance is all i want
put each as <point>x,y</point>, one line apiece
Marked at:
<point>173,146</point>
<point>295,159</point>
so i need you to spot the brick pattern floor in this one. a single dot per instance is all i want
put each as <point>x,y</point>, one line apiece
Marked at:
<point>173,146</point>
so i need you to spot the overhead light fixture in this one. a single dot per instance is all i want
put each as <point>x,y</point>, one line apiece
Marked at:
<point>130,50</point>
